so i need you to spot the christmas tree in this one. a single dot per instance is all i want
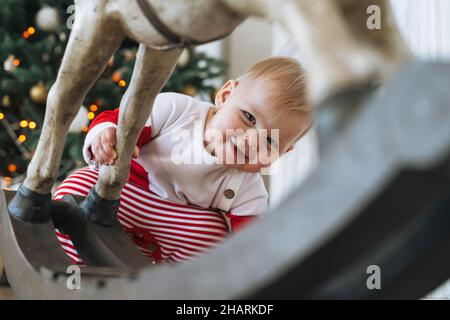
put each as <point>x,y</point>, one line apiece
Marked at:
<point>33,36</point>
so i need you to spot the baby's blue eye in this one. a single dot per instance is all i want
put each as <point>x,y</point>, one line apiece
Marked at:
<point>249,117</point>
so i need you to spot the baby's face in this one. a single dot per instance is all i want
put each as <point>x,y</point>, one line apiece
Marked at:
<point>248,130</point>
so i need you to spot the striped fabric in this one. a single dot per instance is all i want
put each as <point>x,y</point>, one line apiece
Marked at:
<point>162,230</point>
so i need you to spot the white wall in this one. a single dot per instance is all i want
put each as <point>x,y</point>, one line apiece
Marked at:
<point>425,25</point>
<point>250,42</point>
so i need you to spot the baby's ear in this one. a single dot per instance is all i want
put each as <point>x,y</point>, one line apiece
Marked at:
<point>225,91</point>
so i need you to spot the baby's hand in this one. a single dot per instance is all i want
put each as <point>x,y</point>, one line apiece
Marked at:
<point>102,147</point>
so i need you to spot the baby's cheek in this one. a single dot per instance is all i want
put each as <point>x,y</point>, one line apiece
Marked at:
<point>267,155</point>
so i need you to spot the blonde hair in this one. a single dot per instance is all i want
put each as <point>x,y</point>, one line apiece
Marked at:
<point>289,77</point>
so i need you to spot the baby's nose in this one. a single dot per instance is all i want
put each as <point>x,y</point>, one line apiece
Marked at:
<point>251,140</point>
<point>249,144</point>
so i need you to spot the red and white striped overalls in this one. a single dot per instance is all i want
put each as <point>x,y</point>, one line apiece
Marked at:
<point>162,230</point>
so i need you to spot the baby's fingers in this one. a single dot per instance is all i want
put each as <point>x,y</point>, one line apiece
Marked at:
<point>108,154</point>
<point>110,151</point>
<point>107,147</point>
<point>110,135</point>
<point>100,154</point>
<point>136,152</point>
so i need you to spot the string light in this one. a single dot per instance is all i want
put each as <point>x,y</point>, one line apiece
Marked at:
<point>12,168</point>
<point>2,116</point>
<point>32,125</point>
<point>91,115</point>
<point>27,33</point>
<point>122,83</point>
<point>22,138</point>
<point>16,62</point>
<point>116,76</point>
<point>8,181</point>
<point>85,129</point>
<point>93,108</point>
<point>23,123</point>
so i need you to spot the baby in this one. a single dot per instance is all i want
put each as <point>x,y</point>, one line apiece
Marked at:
<point>256,119</point>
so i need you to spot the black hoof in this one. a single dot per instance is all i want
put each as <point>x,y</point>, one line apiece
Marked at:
<point>100,210</point>
<point>30,206</point>
<point>66,213</point>
<point>73,199</point>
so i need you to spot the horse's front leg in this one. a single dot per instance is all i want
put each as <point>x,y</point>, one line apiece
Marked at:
<point>152,70</point>
<point>94,38</point>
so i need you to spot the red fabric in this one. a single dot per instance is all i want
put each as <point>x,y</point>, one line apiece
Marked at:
<point>239,222</point>
<point>138,175</point>
<point>113,116</point>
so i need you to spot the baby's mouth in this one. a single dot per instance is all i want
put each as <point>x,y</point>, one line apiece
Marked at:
<point>237,152</point>
<point>235,149</point>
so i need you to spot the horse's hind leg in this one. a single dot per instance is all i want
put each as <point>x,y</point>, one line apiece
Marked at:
<point>94,38</point>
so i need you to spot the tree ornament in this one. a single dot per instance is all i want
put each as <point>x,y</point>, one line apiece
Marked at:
<point>189,90</point>
<point>117,75</point>
<point>63,37</point>
<point>48,19</point>
<point>80,122</point>
<point>58,50</point>
<point>38,93</point>
<point>128,55</point>
<point>6,101</point>
<point>184,58</point>
<point>9,65</point>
